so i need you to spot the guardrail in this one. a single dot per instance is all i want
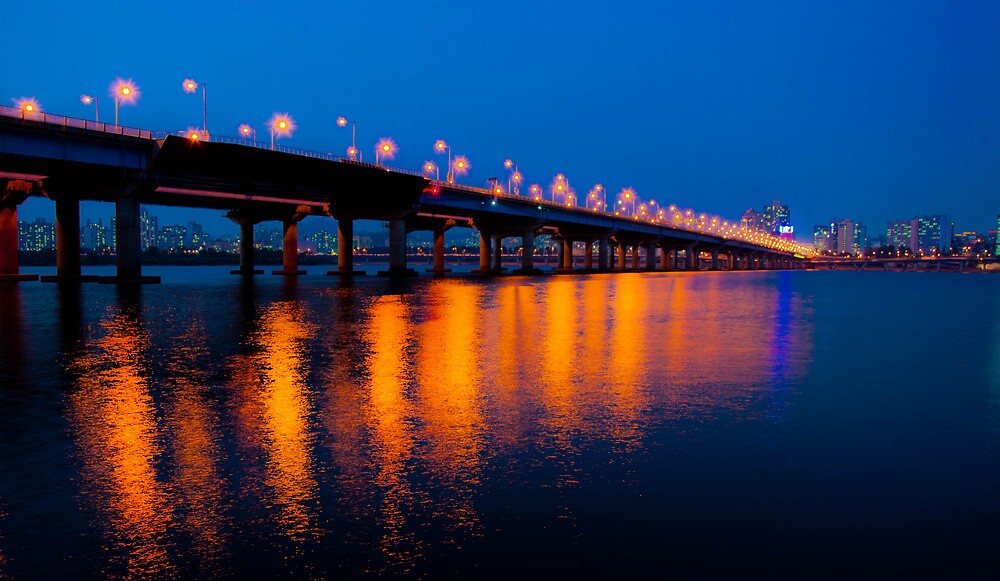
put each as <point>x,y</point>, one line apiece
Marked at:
<point>63,121</point>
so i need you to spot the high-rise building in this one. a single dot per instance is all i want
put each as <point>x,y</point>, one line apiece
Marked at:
<point>848,236</point>
<point>821,237</point>
<point>752,220</point>
<point>172,238</point>
<point>777,220</point>
<point>933,235</point>
<point>996,251</point>
<point>37,235</point>
<point>94,237</point>
<point>148,226</point>
<point>902,234</point>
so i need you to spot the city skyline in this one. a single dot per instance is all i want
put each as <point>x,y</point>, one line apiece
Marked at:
<point>718,110</point>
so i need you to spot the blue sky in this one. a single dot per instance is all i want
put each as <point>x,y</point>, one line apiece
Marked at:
<point>869,110</point>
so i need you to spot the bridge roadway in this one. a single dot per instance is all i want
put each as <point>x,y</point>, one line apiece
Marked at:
<point>69,160</point>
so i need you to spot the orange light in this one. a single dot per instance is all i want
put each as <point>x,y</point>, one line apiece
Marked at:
<point>440,145</point>
<point>125,91</point>
<point>86,99</point>
<point>342,121</point>
<point>28,105</point>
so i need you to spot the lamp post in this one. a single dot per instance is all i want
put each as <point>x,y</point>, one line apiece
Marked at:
<point>87,100</point>
<point>28,106</point>
<point>536,192</point>
<point>459,167</point>
<point>190,86</point>
<point>281,125</point>
<point>441,147</point>
<point>431,168</point>
<point>352,151</point>
<point>628,198</point>
<point>385,149</point>
<point>125,92</point>
<point>247,131</point>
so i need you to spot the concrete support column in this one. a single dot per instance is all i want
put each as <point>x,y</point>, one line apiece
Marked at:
<point>289,249</point>
<point>9,263</point>
<point>567,254</point>
<point>67,237</point>
<point>439,252</point>
<point>397,250</point>
<point>128,240</point>
<point>622,251</point>
<point>588,257</point>
<point>650,256</point>
<point>692,258</point>
<point>345,248</point>
<point>602,254</point>
<point>497,253</point>
<point>527,253</point>
<point>484,251</point>
<point>635,256</point>
<point>715,259</point>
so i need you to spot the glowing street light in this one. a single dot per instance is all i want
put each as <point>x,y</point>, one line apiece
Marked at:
<point>87,100</point>
<point>441,147</point>
<point>281,125</point>
<point>460,166</point>
<point>385,149</point>
<point>514,180</point>
<point>560,187</point>
<point>536,192</point>
<point>27,105</point>
<point>598,195</point>
<point>352,151</point>
<point>195,134</point>
<point>125,92</point>
<point>431,168</point>
<point>627,197</point>
<point>190,86</point>
<point>247,131</point>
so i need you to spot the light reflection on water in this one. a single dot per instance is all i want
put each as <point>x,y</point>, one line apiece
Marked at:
<point>314,429</point>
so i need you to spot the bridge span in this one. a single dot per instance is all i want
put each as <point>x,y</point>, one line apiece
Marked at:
<point>68,160</point>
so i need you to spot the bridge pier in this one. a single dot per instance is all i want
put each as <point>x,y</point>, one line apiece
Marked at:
<point>602,254</point>
<point>67,241</point>
<point>9,262</point>
<point>691,258</point>
<point>397,250</point>
<point>622,251</point>
<point>485,253</point>
<point>565,255</point>
<point>497,260</point>
<point>527,253</point>
<point>128,244</point>
<point>290,248</point>
<point>588,256</point>
<point>439,252</point>
<point>345,248</point>
<point>715,259</point>
<point>650,256</point>
<point>246,246</point>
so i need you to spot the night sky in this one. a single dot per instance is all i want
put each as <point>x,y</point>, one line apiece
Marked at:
<point>868,110</point>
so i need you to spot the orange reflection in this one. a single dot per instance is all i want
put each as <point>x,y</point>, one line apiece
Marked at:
<point>516,331</point>
<point>195,449</point>
<point>388,412</point>
<point>114,421</point>
<point>558,352</point>
<point>449,380</point>
<point>284,411</point>
<point>629,354</point>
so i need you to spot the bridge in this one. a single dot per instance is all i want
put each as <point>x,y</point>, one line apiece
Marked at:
<point>905,263</point>
<point>68,160</point>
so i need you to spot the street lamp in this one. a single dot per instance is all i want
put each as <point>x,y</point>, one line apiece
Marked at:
<point>281,125</point>
<point>247,131</point>
<point>87,100</point>
<point>560,186</point>
<point>28,106</point>
<point>352,151</point>
<point>431,168</point>
<point>536,192</point>
<point>190,86</point>
<point>125,92</point>
<point>441,147</point>
<point>627,197</point>
<point>385,149</point>
<point>460,166</point>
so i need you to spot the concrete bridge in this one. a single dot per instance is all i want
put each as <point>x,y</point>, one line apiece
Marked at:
<point>905,263</point>
<point>69,160</point>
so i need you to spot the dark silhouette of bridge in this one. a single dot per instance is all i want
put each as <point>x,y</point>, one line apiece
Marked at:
<point>68,160</point>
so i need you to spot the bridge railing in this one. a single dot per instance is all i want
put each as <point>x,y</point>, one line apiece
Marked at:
<point>251,142</point>
<point>63,121</point>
